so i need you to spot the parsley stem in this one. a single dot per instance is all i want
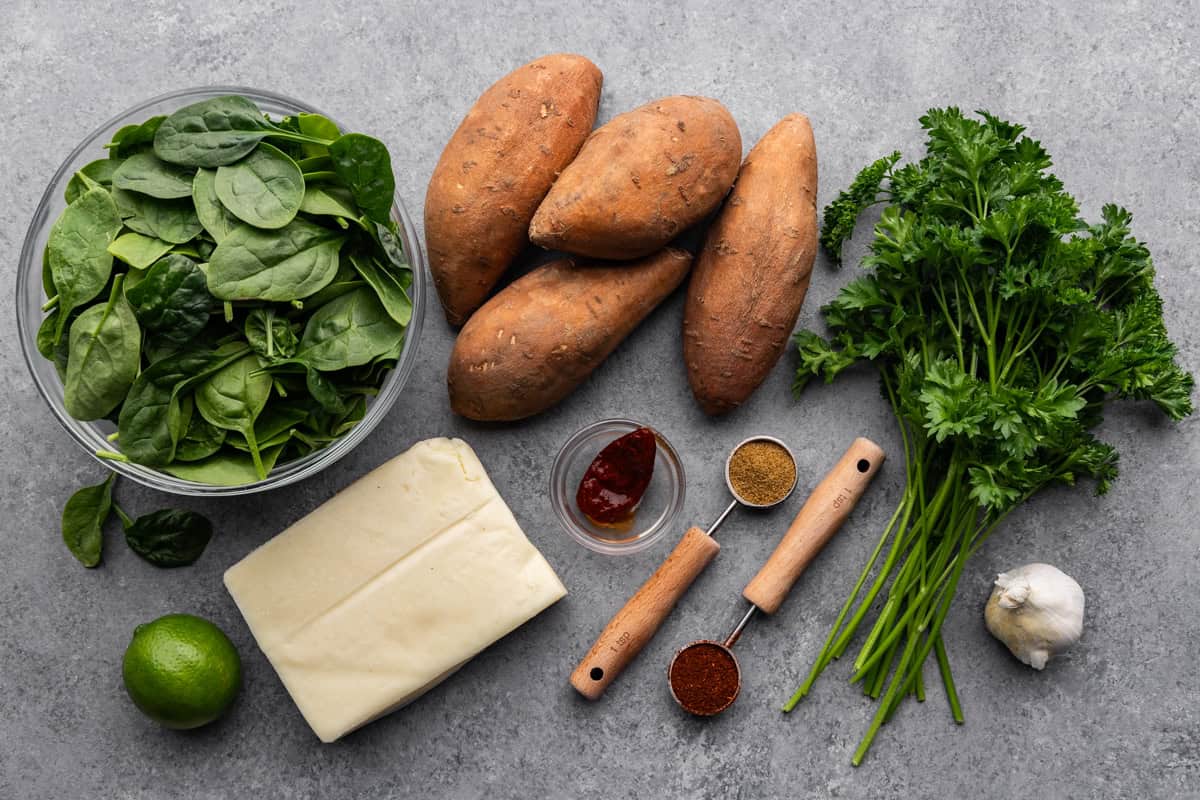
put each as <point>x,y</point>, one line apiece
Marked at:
<point>939,649</point>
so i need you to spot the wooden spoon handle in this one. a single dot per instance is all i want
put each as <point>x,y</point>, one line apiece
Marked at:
<point>638,620</point>
<point>821,517</point>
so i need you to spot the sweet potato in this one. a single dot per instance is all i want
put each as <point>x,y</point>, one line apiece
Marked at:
<point>541,336</point>
<point>641,179</point>
<point>753,271</point>
<point>496,169</point>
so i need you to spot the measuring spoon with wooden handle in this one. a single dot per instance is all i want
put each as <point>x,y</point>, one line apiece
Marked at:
<point>819,519</point>
<point>640,618</point>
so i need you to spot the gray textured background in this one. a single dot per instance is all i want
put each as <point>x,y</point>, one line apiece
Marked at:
<point>1111,91</point>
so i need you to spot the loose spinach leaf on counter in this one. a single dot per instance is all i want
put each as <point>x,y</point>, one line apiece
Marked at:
<point>169,537</point>
<point>165,538</point>
<point>226,273</point>
<point>83,519</point>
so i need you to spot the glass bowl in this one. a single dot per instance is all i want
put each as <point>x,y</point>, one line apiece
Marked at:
<point>91,435</point>
<point>655,515</point>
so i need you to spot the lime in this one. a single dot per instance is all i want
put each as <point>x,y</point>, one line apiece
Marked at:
<point>181,671</point>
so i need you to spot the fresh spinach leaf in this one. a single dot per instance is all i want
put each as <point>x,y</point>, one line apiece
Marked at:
<point>137,250</point>
<point>83,519</point>
<point>183,420</point>
<point>328,201</point>
<point>387,288</point>
<point>319,127</point>
<point>149,175</point>
<point>389,241</point>
<point>273,427</point>
<point>172,299</point>
<point>226,468</point>
<point>58,352</point>
<point>363,164</point>
<point>173,221</point>
<point>170,537</point>
<point>104,357</point>
<point>354,414</point>
<point>233,397</point>
<point>149,417</point>
<point>347,331</point>
<point>270,335</point>
<point>215,218</point>
<point>211,133</point>
<point>220,131</point>
<point>321,163</point>
<point>346,279</point>
<point>198,249</point>
<point>201,440</point>
<point>264,189</point>
<point>77,250</point>
<point>100,171</point>
<point>134,138</point>
<point>323,390</point>
<point>288,264</point>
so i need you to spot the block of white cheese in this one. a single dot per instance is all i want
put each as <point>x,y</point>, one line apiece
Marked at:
<point>390,586</point>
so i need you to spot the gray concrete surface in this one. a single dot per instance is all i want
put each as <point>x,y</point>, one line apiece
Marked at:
<point>1112,92</point>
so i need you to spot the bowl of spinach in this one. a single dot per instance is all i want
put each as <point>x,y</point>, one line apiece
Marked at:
<point>220,292</point>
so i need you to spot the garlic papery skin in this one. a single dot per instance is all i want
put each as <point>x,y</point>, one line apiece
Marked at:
<point>1037,610</point>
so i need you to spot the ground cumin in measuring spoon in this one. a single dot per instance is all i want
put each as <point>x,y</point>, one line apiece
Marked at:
<point>761,472</point>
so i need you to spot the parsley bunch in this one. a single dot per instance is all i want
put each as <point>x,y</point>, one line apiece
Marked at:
<point>1001,324</point>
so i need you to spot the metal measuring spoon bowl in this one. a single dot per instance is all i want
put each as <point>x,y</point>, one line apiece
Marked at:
<point>704,678</point>
<point>773,441</point>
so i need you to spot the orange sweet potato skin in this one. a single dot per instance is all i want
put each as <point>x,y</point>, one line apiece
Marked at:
<point>496,169</point>
<point>641,179</point>
<point>541,336</point>
<point>753,272</point>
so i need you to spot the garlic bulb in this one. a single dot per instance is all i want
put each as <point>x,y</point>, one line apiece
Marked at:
<point>1037,610</point>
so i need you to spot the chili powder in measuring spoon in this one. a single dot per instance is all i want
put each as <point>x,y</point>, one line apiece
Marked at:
<point>705,678</point>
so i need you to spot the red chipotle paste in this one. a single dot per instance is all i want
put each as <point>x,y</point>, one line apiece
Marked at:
<point>616,480</point>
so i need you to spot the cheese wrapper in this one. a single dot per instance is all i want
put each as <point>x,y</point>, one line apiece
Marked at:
<point>390,586</point>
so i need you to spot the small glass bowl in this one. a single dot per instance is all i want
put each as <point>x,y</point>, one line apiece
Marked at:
<point>91,435</point>
<point>656,513</point>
